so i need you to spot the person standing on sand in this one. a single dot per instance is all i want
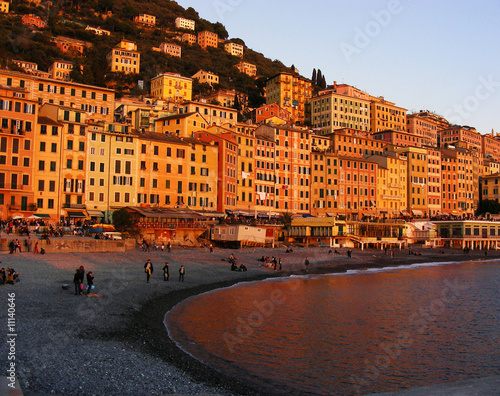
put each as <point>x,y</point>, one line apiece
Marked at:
<point>76,281</point>
<point>306,263</point>
<point>279,264</point>
<point>36,248</point>
<point>148,269</point>
<point>165,272</point>
<point>90,281</point>
<point>182,271</point>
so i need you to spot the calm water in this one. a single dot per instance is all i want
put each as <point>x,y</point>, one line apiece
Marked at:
<point>355,333</point>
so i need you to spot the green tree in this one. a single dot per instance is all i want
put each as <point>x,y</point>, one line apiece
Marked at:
<point>122,220</point>
<point>313,78</point>
<point>488,206</point>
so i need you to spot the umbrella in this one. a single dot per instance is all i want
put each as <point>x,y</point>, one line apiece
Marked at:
<point>17,217</point>
<point>33,216</point>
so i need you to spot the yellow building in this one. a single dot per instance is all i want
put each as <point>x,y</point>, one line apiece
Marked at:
<point>60,70</point>
<point>391,184</point>
<point>434,180</point>
<point>290,92</point>
<point>176,172</point>
<point>386,115</point>
<point>146,20</point>
<point>4,6</point>
<point>181,125</point>
<point>124,58</point>
<point>246,169</point>
<point>417,180</point>
<point>61,162</point>
<point>206,77</point>
<point>339,108</point>
<point>234,49</point>
<point>172,86</point>
<point>111,176</point>
<point>213,114</point>
<point>97,101</point>
<point>247,68</point>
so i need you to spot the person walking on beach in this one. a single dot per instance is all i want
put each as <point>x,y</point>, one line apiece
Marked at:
<point>165,272</point>
<point>36,248</point>
<point>76,281</point>
<point>306,263</point>
<point>279,264</point>
<point>182,271</point>
<point>169,246</point>
<point>162,246</point>
<point>148,269</point>
<point>90,281</point>
<point>211,248</point>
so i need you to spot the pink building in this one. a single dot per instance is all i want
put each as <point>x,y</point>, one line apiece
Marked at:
<point>271,110</point>
<point>171,49</point>
<point>32,20</point>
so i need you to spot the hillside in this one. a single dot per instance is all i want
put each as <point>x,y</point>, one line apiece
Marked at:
<point>69,19</point>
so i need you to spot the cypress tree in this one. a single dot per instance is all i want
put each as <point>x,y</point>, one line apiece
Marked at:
<point>313,78</point>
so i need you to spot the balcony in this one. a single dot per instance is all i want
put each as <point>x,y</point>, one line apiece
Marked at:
<point>74,206</point>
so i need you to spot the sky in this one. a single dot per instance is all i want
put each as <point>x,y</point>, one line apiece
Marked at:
<point>442,56</point>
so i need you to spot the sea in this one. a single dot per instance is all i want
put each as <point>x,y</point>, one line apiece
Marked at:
<point>360,332</point>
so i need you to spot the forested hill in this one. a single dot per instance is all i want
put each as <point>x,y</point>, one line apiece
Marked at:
<point>69,19</point>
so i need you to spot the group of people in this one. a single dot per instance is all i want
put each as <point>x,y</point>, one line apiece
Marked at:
<point>234,267</point>
<point>78,279</point>
<point>148,269</point>
<point>15,245</point>
<point>8,276</point>
<point>146,245</point>
<point>271,262</point>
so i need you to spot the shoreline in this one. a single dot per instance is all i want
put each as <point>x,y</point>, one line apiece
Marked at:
<point>66,335</point>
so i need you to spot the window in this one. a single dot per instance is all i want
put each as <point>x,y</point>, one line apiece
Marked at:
<point>101,167</point>
<point>41,165</point>
<point>52,166</point>
<point>70,145</point>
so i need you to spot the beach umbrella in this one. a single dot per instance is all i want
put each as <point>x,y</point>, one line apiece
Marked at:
<point>17,217</point>
<point>33,217</point>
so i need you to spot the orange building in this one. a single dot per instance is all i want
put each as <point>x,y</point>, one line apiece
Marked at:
<point>177,172</point>
<point>18,115</point>
<point>265,112</point>
<point>291,92</point>
<point>386,115</point>
<point>189,38</point>
<point>399,138</point>
<point>464,134</point>
<point>208,39</point>
<point>146,20</point>
<point>434,181</point>
<point>70,45</point>
<point>491,146</point>
<point>181,125</point>
<point>227,173</point>
<point>460,181</point>
<point>32,20</point>
<point>426,125</point>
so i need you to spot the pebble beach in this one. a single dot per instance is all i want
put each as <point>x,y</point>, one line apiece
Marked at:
<point>115,342</point>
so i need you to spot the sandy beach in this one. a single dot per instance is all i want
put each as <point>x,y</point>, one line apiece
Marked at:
<point>115,343</point>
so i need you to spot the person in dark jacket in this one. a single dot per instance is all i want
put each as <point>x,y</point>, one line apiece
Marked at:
<point>148,269</point>
<point>165,271</point>
<point>90,281</point>
<point>77,282</point>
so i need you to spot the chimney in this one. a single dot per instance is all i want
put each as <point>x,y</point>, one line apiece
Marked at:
<point>335,85</point>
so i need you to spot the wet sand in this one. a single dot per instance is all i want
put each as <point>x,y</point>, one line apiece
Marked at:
<point>117,344</point>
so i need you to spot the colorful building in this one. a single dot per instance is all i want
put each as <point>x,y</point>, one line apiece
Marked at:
<point>206,77</point>
<point>208,39</point>
<point>181,125</point>
<point>234,49</point>
<point>339,107</point>
<point>426,125</point>
<point>18,118</point>
<point>189,38</point>
<point>386,115</point>
<point>183,23</point>
<point>263,113</point>
<point>146,20</point>
<point>213,114</point>
<point>171,49</point>
<point>124,58</point>
<point>71,46</point>
<point>60,70</point>
<point>247,68</point>
<point>32,20</point>
<point>172,86</point>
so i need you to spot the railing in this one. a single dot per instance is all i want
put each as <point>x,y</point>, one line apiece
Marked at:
<point>74,206</point>
<point>172,226</point>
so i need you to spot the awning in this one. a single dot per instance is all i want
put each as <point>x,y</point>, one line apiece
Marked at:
<point>229,212</point>
<point>383,212</point>
<point>330,214</point>
<point>75,214</point>
<point>95,213</point>
<point>405,213</point>
<point>42,215</point>
<point>417,212</point>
